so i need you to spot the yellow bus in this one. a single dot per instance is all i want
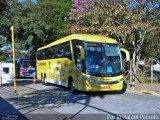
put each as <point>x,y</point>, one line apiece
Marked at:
<point>82,62</point>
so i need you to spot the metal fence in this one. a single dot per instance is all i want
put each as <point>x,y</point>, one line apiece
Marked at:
<point>146,73</point>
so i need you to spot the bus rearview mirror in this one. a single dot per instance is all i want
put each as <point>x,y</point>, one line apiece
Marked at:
<point>127,55</point>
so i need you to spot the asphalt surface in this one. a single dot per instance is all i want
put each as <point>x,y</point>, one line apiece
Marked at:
<point>36,101</point>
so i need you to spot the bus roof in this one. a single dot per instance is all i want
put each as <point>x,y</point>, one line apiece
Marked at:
<point>85,37</point>
<point>18,60</point>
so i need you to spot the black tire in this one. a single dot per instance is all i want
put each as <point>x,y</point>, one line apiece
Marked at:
<point>124,88</point>
<point>42,79</point>
<point>45,81</point>
<point>71,86</point>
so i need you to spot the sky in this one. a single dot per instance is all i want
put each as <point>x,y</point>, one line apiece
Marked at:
<point>24,0</point>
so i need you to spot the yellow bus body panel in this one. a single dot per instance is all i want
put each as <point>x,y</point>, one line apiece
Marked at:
<point>58,70</point>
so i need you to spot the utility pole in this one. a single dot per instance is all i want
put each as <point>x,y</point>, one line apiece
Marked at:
<point>14,68</point>
<point>130,71</point>
<point>151,71</point>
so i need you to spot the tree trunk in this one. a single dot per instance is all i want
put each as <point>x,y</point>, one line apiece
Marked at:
<point>134,62</point>
<point>158,79</point>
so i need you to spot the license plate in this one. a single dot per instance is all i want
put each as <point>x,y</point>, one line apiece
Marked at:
<point>106,87</point>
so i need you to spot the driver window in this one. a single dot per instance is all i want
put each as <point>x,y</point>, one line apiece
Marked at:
<point>78,60</point>
<point>77,54</point>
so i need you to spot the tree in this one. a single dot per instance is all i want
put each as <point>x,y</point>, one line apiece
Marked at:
<point>125,20</point>
<point>3,5</point>
<point>4,46</point>
<point>151,45</point>
<point>36,24</point>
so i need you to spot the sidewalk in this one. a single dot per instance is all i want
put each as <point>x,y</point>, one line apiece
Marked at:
<point>146,88</point>
<point>8,112</point>
<point>11,109</point>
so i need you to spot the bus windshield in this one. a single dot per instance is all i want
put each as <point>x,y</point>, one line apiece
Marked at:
<point>103,59</point>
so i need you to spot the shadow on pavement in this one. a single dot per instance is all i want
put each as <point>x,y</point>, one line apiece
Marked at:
<point>8,112</point>
<point>56,98</point>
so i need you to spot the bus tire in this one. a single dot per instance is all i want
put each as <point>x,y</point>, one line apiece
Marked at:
<point>45,81</point>
<point>124,88</point>
<point>42,79</point>
<point>71,86</point>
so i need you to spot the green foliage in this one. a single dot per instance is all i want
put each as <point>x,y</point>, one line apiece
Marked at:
<point>125,20</point>
<point>112,18</point>
<point>151,44</point>
<point>36,24</point>
<point>3,6</point>
<point>135,24</point>
<point>3,56</point>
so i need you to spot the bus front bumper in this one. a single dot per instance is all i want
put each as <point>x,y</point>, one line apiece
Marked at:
<point>103,87</point>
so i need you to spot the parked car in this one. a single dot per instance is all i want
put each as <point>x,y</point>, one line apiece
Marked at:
<point>141,62</point>
<point>156,67</point>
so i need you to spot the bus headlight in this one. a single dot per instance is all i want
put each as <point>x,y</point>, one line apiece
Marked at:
<point>100,82</point>
<point>89,80</point>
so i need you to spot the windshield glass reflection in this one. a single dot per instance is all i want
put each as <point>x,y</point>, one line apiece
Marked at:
<point>103,59</point>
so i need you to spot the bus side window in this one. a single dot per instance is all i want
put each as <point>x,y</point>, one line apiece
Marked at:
<point>77,56</point>
<point>44,54</point>
<point>40,55</point>
<point>78,59</point>
<point>56,52</point>
<point>49,54</point>
<point>67,51</point>
<point>60,51</point>
<point>53,52</point>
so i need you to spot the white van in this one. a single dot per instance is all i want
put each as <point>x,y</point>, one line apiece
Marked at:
<point>156,67</point>
<point>6,73</point>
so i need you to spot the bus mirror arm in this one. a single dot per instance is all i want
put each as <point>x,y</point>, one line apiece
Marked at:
<point>126,53</point>
<point>81,51</point>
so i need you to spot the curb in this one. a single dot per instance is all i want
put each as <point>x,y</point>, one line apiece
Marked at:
<point>145,92</point>
<point>150,92</point>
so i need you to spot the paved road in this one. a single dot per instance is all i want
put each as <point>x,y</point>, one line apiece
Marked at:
<point>49,100</point>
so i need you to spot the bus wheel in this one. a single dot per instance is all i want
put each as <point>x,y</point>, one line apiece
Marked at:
<point>45,81</point>
<point>42,79</point>
<point>124,88</point>
<point>71,86</point>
